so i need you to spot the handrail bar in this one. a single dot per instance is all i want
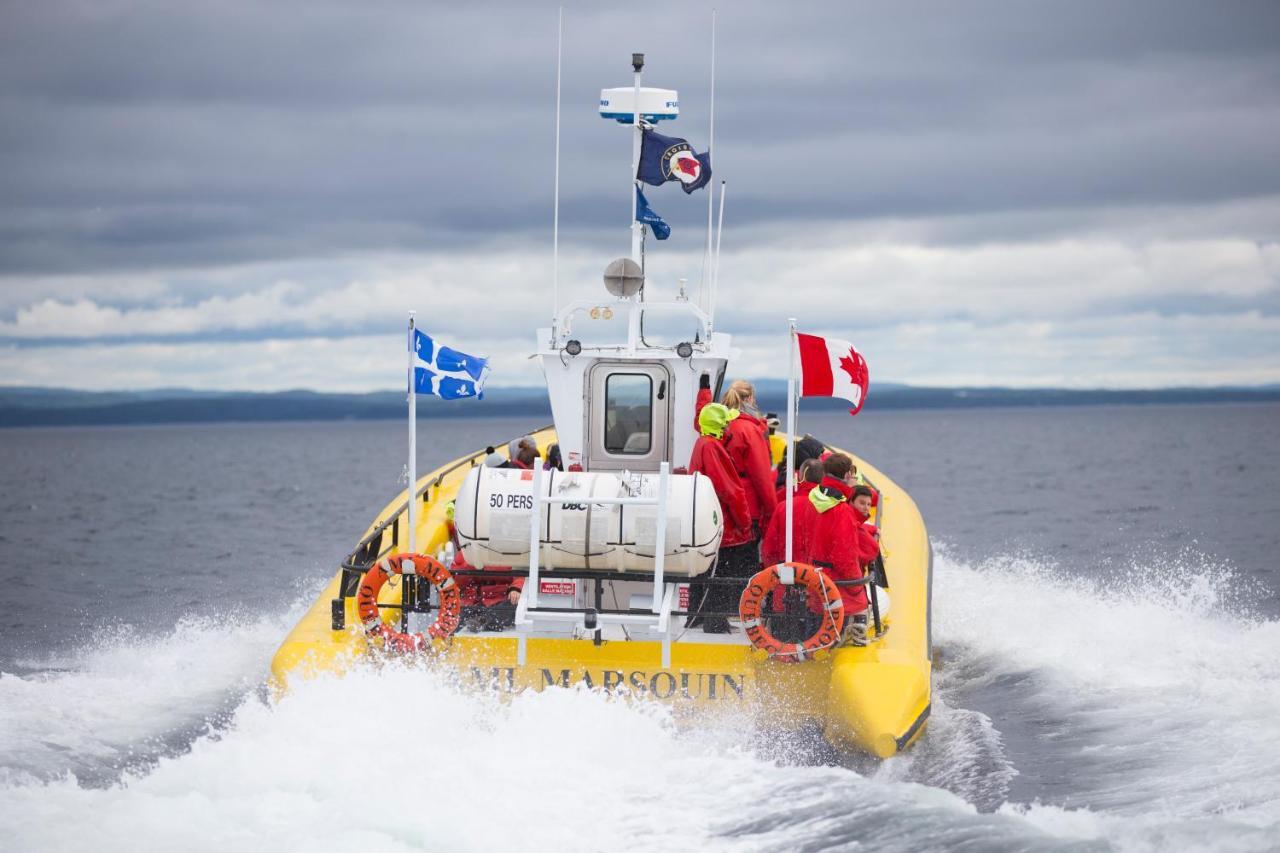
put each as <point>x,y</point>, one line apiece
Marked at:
<point>439,478</point>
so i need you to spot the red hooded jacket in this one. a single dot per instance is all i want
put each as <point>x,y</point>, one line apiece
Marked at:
<point>841,545</point>
<point>710,458</point>
<point>747,442</point>
<point>773,549</point>
<point>866,532</point>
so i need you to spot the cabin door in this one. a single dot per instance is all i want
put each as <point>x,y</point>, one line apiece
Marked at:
<point>628,416</point>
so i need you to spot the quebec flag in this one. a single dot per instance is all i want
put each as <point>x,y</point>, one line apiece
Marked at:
<point>445,372</point>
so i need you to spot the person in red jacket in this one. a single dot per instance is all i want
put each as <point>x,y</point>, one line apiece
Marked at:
<point>805,449</point>
<point>862,499</point>
<point>475,591</point>
<point>773,548</point>
<point>839,543</point>
<point>747,441</point>
<point>521,453</point>
<point>748,445</point>
<point>487,605</point>
<point>794,622</point>
<point>738,550</point>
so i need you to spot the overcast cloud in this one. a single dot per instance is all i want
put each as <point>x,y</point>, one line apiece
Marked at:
<point>252,196</point>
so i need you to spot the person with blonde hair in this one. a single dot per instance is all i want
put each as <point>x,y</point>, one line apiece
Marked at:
<point>748,449</point>
<point>748,446</point>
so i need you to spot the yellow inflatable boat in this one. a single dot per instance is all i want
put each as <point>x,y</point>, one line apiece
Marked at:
<point>608,548</point>
<point>874,699</point>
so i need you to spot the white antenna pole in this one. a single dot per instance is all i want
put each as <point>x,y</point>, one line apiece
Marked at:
<point>711,139</point>
<point>555,220</point>
<point>791,430</point>
<point>413,440</point>
<point>715,273</point>
<point>637,64</point>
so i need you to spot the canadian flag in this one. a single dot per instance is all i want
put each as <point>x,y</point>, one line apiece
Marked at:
<point>832,368</point>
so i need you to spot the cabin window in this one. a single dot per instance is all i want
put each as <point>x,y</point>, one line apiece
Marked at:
<point>628,414</point>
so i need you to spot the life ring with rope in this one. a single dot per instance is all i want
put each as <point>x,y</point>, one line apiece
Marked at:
<point>814,580</point>
<point>424,567</point>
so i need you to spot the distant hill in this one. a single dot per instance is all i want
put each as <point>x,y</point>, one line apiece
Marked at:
<point>62,407</point>
<point>910,397</point>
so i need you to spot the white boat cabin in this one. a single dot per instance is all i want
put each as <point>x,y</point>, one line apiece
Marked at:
<point>623,398</point>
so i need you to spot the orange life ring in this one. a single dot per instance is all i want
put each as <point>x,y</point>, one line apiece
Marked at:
<point>423,566</point>
<point>815,581</point>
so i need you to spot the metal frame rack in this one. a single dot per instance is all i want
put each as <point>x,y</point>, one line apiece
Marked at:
<point>529,614</point>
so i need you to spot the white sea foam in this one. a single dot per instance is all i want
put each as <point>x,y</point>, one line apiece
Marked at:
<point>129,695</point>
<point>1153,697</point>
<point>1154,713</point>
<point>398,758</point>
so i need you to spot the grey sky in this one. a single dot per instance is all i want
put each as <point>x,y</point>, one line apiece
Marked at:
<point>233,177</point>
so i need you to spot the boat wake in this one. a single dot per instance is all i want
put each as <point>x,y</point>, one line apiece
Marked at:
<point>1068,715</point>
<point>1139,708</point>
<point>131,698</point>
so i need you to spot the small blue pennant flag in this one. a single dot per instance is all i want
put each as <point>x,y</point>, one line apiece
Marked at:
<point>446,372</point>
<point>645,214</point>
<point>669,158</point>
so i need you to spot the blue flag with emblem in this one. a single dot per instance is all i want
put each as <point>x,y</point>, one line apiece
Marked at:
<point>669,158</point>
<point>645,214</point>
<point>446,372</point>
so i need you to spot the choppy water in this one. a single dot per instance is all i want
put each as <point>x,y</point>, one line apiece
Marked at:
<point>1106,612</point>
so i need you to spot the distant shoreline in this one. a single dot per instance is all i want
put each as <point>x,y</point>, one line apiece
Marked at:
<point>34,407</point>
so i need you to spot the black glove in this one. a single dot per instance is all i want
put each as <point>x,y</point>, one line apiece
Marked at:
<point>705,381</point>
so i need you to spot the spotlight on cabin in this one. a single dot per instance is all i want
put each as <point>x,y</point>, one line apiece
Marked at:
<point>573,347</point>
<point>684,349</point>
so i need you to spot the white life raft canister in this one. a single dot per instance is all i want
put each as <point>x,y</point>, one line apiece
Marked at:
<point>493,511</point>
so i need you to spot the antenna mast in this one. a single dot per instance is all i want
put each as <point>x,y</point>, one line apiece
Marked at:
<point>711,140</point>
<point>637,65</point>
<point>715,269</point>
<point>555,216</point>
<point>639,109</point>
